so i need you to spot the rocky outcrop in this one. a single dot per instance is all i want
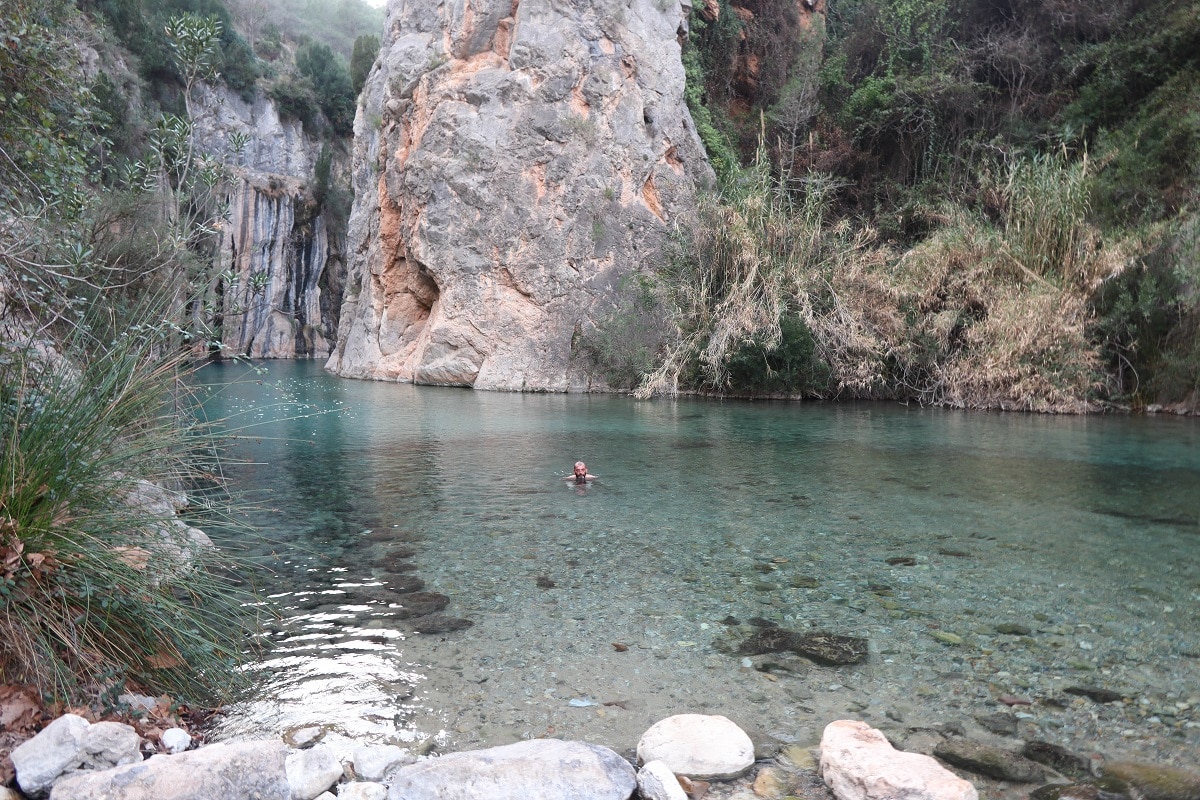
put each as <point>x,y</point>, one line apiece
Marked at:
<point>281,267</point>
<point>514,161</point>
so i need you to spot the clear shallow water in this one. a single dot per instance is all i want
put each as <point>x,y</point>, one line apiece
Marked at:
<point>1085,531</point>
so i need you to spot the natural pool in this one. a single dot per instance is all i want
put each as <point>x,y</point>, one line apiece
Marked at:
<point>1029,555</point>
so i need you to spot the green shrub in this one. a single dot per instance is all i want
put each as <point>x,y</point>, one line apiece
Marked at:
<point>295,98</point>
<point>626,344</point>
<point>366,49</point>
<point>330,80</point>
<point>790,367</point>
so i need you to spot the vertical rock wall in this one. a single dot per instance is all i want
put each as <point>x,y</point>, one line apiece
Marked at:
<point>514,160</point>
<point>286,262</point>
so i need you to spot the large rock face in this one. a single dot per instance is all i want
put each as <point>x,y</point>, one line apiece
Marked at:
<point>514,160</point>
<point>285,298</point>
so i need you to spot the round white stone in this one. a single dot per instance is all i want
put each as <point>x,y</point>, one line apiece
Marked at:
<point>698,746</point>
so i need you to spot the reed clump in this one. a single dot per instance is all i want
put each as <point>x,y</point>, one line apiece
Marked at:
<point>102,592</point>
<point>993,309</point>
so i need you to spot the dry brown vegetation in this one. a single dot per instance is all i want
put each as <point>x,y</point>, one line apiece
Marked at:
<point>986,312</point>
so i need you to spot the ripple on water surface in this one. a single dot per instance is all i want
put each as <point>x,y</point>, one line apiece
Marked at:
<point>982,555</point>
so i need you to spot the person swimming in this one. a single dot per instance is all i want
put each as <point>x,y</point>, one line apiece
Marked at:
<point>580,474</point>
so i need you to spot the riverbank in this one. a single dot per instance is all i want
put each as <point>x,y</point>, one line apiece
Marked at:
<point>707,756</point>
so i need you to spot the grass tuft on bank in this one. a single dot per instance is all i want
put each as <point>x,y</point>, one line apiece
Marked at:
<point>103,587</point>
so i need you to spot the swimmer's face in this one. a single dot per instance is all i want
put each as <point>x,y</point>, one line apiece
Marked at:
<point>580,468</point>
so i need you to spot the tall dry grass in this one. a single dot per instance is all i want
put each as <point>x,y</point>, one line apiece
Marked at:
<point>988,312</point>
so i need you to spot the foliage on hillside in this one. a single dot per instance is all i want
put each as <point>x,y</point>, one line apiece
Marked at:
<point>1007,198</point>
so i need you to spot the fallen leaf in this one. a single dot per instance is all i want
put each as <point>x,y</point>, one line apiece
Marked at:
<point>19,709</point>
<point>161,660</point>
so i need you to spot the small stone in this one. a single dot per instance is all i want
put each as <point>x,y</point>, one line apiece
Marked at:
<point>656,781</point>
<point>947,638</point>
<point>303,736</point>
<point>176,740</point>
<point>439,623</point>
<point>362,790</point>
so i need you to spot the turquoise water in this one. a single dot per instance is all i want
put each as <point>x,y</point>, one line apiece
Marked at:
<point>1084,532</point>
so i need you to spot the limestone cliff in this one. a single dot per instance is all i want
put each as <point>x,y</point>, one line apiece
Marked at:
<point>276,245</point>
<point>514,159</point>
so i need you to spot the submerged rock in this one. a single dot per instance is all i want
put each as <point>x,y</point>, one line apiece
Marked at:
<point>439,623</point>
<point>832,649</point>
<point>824,648</point>
<point>1094,693</point>
<point>698,746</point>
<point>858,763</point>
<point>1059,759</point>
<point>1099,790</point>
<point>993,762</point>
<point>420,604</point>
<point>539,769</point>
<point>999,724</point>
<point>1156,781</point>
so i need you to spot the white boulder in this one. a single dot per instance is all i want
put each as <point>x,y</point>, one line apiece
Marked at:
<point>538,769</point>
<point>374,762</point>
<point>312,771</point>
<point>111,744</point>
<point>57,748</point>
<point>698,746</point>
<point>242,769</point>
<point>858,763</point>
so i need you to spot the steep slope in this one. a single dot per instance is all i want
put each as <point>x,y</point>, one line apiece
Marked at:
<point>514,161</point>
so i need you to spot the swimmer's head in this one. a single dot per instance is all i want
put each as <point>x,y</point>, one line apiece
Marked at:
<point>580,468</point>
